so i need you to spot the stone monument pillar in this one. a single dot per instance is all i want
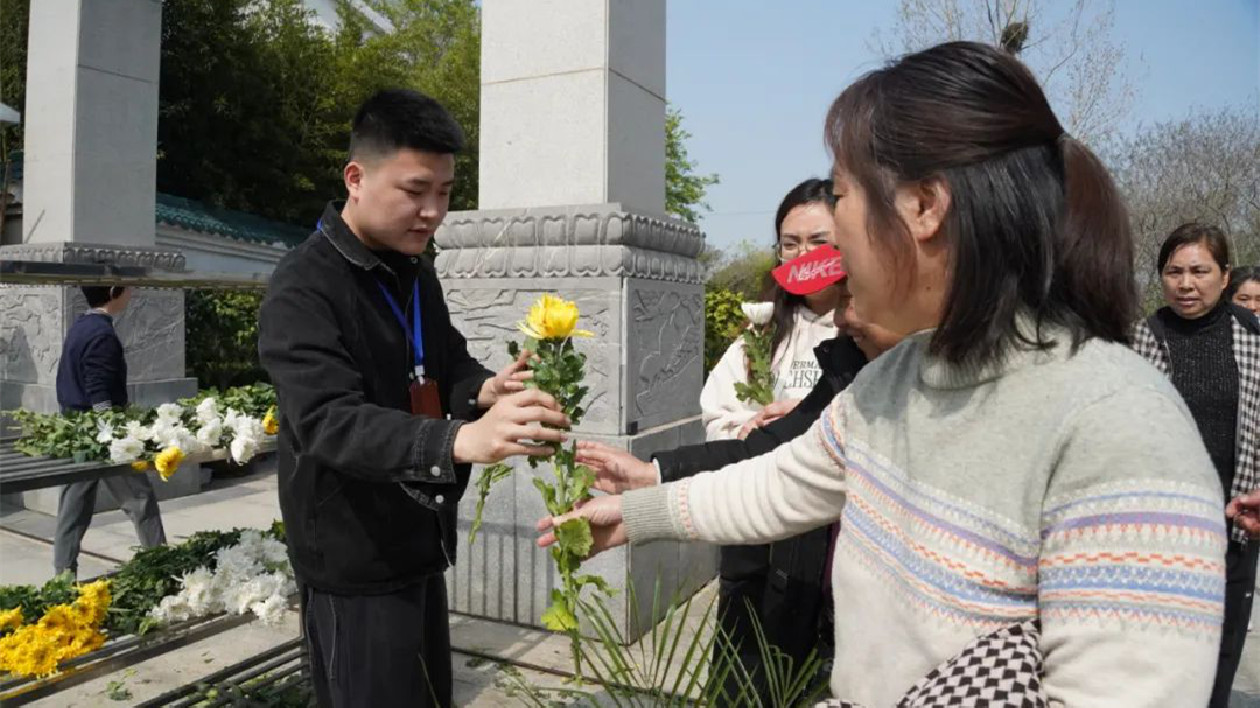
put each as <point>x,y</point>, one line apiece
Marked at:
<point>572,195</point>
<point>89,195</point>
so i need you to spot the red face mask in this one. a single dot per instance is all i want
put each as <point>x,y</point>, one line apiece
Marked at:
<point>811,272</point>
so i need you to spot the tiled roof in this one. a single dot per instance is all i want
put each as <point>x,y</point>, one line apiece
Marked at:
<point>195,216</point>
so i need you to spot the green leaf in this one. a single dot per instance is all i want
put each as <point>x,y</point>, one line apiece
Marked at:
<point>549,497</point>
<point>489,476</point>
<point>596,580</point>
<point>558,617</point>
<point>574,536</point>
<point>580,484</point>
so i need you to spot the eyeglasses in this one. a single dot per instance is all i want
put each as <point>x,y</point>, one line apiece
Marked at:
<point>788,251</point>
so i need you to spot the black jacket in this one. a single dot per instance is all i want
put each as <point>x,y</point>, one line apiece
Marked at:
<point>368,491</point>
<point>782,582</point>
<point>840,360</point>
<point>92,369</point>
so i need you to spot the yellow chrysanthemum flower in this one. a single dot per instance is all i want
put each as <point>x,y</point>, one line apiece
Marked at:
<point>167,461</point>
<point>60,618</point>
<point>94,599</point>
<point>30,651</point>
<point>40,658</point>
<point>10,619</point>
<point>64,632</point>
<point>271,426</point>
<point>140,465</point>
<point>552,318</point>
<point>95,592</point>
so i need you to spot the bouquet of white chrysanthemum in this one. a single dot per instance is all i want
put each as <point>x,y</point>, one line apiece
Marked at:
<point>161,437</point>
<point>252,576</point>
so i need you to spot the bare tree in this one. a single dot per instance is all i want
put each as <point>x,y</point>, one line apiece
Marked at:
<point>1203,168</point>
<point>1068,45</point>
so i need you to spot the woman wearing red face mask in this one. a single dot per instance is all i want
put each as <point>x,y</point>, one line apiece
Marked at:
<point>1210,348</point>
<point>800,322</point>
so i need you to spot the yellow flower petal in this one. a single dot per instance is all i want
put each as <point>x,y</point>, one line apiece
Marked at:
<point>167,461</point>
<point>140,465</point>
<point>529,331</point>
<point>552,318</point>
<point>10,619</point>
<point>271,426</point>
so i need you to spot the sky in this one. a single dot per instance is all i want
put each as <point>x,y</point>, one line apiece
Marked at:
<point>754,78</point>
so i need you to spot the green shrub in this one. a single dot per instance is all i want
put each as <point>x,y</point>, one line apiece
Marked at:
<point>221,338</point>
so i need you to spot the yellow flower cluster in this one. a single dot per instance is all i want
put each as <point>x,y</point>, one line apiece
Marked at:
<point>552,318</point>
<point>10,619</point>
<point>167,461</point>
<point>271,426</point>
<point>64,632</point>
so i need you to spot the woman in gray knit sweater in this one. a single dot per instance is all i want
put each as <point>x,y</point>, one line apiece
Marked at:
<point>1011,469</point>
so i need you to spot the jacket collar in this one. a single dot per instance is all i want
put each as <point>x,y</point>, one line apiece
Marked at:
<point>334,228</point>
<point>840,357</point>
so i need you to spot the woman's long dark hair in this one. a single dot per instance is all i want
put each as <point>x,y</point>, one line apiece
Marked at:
<point>811,191</point>
<point>1035,225</point>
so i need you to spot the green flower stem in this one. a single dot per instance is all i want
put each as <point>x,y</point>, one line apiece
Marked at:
<point>559,370</point>
<point>760,386</point>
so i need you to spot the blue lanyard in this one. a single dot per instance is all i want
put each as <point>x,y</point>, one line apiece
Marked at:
<point>413,332</point>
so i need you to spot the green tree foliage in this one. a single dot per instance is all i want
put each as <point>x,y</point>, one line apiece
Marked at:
<point>221,338</point>
<point>684,189</point>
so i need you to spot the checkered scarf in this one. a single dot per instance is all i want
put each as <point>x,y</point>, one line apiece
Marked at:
<point>1247,353</point>
<point>1004,668</point>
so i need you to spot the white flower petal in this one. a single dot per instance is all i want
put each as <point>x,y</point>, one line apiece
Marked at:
<point>758,313</point>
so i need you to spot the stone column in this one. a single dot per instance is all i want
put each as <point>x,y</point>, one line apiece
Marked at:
<point>91,121</point>
<point>572,202</point>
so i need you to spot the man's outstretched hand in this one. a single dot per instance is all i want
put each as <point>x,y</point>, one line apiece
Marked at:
<point>513,426</point>
<point>511,379</point>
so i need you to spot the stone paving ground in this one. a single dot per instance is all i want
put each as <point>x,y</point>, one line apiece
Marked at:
<point>250,501</point>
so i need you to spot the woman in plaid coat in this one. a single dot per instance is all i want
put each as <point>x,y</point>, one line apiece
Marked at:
<point>1210,348</point>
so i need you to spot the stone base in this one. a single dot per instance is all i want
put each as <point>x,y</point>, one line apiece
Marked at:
<point>33,328</point>
<point>187,481</point>
<point>43,397</point>
<point>506,577</point>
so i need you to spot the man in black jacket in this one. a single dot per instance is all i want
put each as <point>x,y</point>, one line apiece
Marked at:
<point>92,375</point>
<point>382,410</point>
<point>784,582</point>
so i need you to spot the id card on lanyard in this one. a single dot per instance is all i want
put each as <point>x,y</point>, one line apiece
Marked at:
<point>423,390</point>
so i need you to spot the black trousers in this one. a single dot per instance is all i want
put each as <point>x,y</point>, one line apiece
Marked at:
<point>384,651</point>
<point>1240,586</point>
<point>776,587</point>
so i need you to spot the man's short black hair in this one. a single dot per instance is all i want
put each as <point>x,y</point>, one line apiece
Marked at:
<point>399,119</point>
<point>99,295</point>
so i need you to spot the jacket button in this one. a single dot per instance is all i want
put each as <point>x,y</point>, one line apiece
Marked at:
<point>439,499</point>
<point>436,471</point>
<point>414,259</point>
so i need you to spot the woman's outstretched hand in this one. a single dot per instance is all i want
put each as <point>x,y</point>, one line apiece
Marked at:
<point>604,514</point>
<point>616,471</point>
